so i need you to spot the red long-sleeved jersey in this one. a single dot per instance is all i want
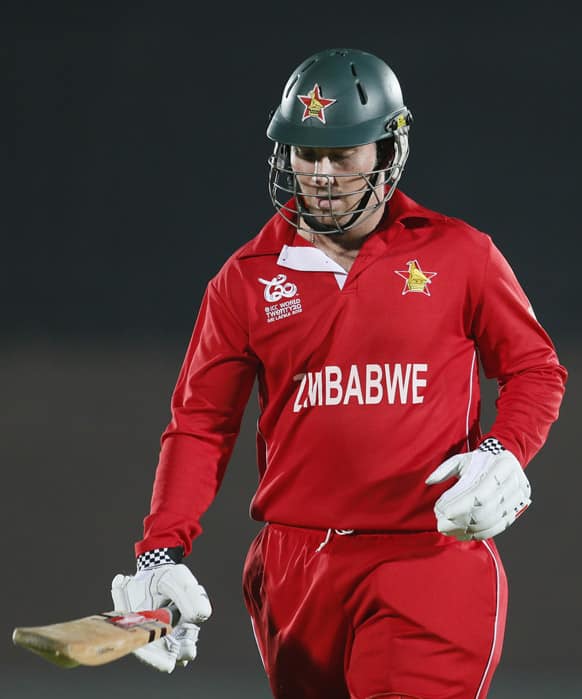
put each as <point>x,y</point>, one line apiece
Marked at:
<point>368,380</point>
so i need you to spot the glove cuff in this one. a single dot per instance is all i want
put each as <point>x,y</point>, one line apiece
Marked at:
<point>492,446</point>
<point>159,557</point>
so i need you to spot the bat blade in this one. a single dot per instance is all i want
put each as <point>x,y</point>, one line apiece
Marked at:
<point>97,639</point>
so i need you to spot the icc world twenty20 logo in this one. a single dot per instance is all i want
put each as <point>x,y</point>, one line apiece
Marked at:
<point>278,288</point>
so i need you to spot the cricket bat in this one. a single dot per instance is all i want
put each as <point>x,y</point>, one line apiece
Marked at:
<point>97,639</point>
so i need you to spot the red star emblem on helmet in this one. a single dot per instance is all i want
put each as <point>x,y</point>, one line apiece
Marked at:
<point>315,104</point>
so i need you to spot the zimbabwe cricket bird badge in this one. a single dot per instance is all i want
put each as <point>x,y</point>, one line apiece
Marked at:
<point>416,280</point>
<point>315,105</point>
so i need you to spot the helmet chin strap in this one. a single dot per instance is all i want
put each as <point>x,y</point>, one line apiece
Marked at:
<point>326,228</point>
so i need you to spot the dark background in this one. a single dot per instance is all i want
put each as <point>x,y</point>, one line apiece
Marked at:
<point>134,164</point>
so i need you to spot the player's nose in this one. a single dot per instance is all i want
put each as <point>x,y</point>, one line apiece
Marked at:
<point>322,172</point>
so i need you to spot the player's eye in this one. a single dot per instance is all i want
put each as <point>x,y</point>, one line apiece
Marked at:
<point>305,154</point>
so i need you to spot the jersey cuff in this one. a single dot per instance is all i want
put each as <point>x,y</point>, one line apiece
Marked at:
<point>159,557</point>
<point>492,446</point>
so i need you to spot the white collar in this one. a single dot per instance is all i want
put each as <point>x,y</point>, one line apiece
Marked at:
<point>307,259</point>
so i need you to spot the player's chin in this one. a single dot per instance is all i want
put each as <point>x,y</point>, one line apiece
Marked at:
<point>325,219</point>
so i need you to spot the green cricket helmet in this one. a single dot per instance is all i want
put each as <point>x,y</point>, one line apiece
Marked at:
<point>339,98</point>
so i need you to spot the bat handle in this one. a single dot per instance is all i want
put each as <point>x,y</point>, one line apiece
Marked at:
<point>174,614</point>
<point>167,615</point>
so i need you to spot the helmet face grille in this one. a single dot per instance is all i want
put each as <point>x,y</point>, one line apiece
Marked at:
<point>287,198</point>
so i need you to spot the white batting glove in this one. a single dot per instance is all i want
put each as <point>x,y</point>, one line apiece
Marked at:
<point>158,586</point>
<point>491,493</point>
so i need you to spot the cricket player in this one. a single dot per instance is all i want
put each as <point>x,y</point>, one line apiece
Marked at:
<point>364,317</point>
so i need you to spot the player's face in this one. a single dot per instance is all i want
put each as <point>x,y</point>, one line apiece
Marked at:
<point>333,171</point>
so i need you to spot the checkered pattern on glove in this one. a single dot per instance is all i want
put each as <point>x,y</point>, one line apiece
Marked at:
<point>159,557</point>
<point>492,445</point>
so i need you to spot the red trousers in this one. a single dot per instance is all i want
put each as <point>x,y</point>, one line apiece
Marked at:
<point>411,616</point>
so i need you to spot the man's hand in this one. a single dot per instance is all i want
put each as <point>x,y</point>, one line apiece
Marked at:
<point>491,493</point>
<point>157,587</point>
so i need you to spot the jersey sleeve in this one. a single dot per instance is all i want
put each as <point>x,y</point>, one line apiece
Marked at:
<point>207,405</point>
<point>516,350</point>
